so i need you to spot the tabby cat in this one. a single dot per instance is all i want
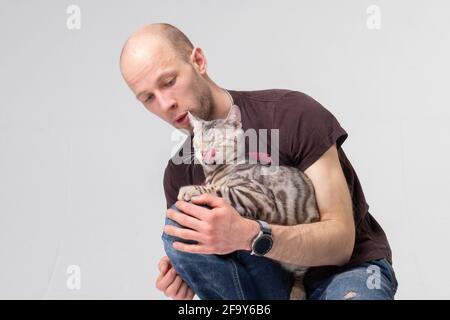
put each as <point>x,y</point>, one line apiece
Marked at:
<point>283,197</point>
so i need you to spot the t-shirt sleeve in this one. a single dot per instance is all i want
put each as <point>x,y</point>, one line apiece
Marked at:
<point>170,189</point>
<point>315,129</point>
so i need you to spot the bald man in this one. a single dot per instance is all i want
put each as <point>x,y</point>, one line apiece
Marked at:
<point>207,242</point>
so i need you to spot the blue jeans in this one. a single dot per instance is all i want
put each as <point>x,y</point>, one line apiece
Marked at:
<point>241,276</point>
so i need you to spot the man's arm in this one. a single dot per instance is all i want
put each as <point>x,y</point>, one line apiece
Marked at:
<point>329,241</point>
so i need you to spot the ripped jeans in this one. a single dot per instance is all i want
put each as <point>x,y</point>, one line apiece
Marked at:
<point>241,276</point>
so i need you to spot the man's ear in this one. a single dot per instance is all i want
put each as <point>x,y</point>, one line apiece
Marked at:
<point>234,117</point>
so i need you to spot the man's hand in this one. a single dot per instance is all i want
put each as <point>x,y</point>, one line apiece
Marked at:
<point>219,230</point>
<point>171,283</point>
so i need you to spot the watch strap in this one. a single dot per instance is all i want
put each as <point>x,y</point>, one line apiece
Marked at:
<point>265,227</point>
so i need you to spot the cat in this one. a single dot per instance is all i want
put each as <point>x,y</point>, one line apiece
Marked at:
<point>283,197</point>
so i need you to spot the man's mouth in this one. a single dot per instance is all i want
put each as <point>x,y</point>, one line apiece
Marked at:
<point>182,118</point>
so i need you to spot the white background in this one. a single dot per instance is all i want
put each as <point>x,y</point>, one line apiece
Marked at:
<point>81,161</point>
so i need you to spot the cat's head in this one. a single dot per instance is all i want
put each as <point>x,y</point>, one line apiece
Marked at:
<point>217,141</point>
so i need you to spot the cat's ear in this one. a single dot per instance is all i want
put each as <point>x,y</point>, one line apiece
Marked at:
<point>194,121</point>
<point>234,117</point>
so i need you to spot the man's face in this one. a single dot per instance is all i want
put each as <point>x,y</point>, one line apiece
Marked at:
<point>167,86</point>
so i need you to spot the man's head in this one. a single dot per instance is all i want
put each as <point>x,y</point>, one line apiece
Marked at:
<point>167,74</point>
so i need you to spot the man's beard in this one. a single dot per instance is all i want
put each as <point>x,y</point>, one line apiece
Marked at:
<point>203,97</point>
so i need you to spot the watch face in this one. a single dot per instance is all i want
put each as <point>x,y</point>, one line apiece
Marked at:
<point>262,245</point>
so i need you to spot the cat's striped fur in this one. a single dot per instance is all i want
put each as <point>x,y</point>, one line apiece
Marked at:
<point>284,196</point>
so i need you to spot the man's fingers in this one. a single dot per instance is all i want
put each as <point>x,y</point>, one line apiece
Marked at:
<point>189,294</point>
<point>208,199</point>
<point>163,282</point>
<point>182,292</point>
<point>185,292</point>
<point>163,265</point>
<point>193,210</point>
<point>173,288</point>
<point>182,233</point>
<point>185,219</point>
<point>192,248</point>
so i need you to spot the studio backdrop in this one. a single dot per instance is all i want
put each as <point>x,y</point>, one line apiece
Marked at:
<point>82,203</point>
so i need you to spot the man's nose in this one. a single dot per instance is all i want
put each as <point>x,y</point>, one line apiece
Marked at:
<point>166,103</point>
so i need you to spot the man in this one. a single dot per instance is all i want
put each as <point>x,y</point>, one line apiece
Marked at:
<point>208,243</point>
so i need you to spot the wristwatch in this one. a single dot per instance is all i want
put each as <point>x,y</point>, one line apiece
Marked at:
<point>263,241</point>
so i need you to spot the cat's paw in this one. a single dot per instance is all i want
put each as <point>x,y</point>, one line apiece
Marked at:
<point>187,192</point>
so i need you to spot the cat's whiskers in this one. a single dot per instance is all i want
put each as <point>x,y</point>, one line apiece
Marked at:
<point>189,158</point>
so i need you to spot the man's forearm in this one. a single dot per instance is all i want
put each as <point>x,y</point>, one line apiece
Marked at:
<point>315,244</point>
<point>327,242</point>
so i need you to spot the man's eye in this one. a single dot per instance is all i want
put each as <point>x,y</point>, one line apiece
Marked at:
<point>148,98</point>
<point>171,82</point>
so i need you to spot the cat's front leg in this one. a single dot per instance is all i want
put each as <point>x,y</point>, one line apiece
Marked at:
<point>187,192</point>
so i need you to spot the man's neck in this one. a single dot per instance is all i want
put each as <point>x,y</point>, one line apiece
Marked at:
<point>221,103</point>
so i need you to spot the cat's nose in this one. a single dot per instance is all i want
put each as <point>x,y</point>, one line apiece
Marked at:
<point>209,155</point>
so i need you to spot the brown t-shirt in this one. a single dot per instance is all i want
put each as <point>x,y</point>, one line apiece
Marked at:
<point>306,131</point>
